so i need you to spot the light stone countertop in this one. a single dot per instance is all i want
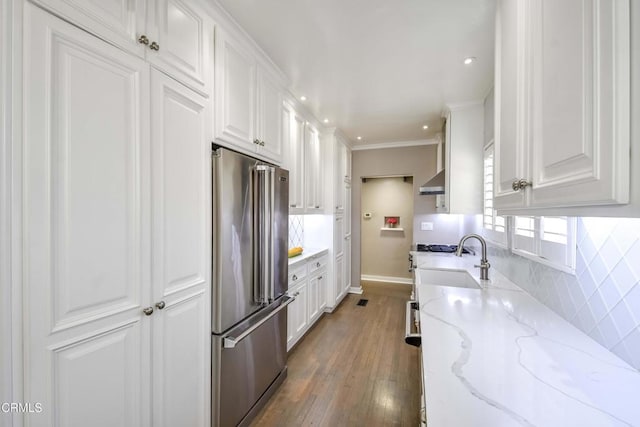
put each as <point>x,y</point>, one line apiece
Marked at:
<point>498,357</point>
<point>306,254</point>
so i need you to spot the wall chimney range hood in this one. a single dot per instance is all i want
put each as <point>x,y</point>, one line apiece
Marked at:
<point>434,186</point>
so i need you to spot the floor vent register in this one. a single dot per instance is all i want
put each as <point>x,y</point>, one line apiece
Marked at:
<point>363,302</point>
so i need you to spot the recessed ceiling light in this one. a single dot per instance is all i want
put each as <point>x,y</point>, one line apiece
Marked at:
<point>359,138</point>
<point>469,60</point>
<point>303,98</point>
<point>326,120</point>
<point>425,127</point>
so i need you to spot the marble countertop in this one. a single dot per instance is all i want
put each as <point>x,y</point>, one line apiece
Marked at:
<point>306,254</point>
<point>498,357</point>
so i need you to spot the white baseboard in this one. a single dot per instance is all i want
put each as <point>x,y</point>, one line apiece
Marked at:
<point>388,279</point>
<point>355,290</point>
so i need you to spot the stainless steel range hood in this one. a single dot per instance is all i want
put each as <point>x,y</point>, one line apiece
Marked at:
<point>434,186</point>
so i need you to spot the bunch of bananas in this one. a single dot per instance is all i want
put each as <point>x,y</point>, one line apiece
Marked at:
<point>295,251</point>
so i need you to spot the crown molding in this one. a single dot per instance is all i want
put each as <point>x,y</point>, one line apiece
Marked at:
<point>398,144</point>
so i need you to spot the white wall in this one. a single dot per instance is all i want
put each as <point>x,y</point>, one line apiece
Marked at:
<point>6,378</point>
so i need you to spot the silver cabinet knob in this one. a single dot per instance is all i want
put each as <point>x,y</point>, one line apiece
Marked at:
<point>160,305</point>
<point>320,278</point>
<point>256,141</point>
<point>317,206</point>
<point>154,46</point>
<point>143,40</point>
<point>520,184</point>
<point>148,311</point>
<point>317,264</point>
<point>294,277</point>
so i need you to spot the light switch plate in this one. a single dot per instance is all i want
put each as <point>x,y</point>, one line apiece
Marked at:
<point>426,226</point>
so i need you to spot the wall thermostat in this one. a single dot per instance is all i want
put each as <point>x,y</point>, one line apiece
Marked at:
<point>367,215</point>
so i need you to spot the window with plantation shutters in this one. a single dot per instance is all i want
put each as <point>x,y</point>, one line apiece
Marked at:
<point>493,225</point>
<point>548,239</point>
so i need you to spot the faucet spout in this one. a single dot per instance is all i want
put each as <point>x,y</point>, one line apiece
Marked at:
<point>484,263</point>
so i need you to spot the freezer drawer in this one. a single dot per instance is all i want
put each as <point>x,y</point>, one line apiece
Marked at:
<point>250,363</point>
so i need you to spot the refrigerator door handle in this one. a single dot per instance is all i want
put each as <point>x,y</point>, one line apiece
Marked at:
<point>231,342</point>
<point>263,246</point>
<point>270,286</point>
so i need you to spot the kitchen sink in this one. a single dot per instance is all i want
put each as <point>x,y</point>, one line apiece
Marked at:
<point>455,278</point>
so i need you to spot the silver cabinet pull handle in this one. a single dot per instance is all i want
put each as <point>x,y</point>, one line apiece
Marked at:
<point>160,305</point>
<point>154,46</point>
<point>143,39</point>
<point>148,311</point>
<point>520,184</point>
<point>320,278</point>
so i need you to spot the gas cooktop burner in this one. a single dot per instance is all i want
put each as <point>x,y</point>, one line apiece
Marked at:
<point>440,248</point>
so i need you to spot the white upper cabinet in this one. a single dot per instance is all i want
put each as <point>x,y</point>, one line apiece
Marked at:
<point>463,160</point>
<point>314,200</point>
<point>171,34</point>
<point>293,156</point>
<point>235,100</point>
<point>269,116</point>
<point>562,104</point>
<point>183,37</point>
<point>248,102</point>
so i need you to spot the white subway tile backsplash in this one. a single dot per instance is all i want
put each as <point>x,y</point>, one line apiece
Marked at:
<point>602,298</point>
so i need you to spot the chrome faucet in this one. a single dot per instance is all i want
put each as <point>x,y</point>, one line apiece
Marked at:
<point>484,263</point>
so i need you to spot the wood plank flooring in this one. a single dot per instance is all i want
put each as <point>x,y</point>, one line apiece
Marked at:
<point>352,369</point>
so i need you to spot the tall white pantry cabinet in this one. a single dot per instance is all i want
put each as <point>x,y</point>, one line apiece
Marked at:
<point>116,226</point>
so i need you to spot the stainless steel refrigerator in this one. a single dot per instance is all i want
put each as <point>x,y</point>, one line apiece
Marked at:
<point>249,316</point>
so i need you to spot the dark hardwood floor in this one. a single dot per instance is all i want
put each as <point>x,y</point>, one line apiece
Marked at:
<point>353,368</point>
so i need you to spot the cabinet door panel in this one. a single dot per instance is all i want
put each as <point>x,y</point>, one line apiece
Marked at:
<point>296,189</point>
<point>312,170</point>
<point>181,363</point>
<point>181,190</point>
<point>338,291</point>
<point>270,115</point>
<point>338,236</point>
<point>181,187</point>
<point>119,21</point>
<point>184,35</point>
<point>313,299</point>
<point>235,102</point>
<point>510,90</point>
<point>576,135</point>
<point>93,380</point>
<point>85,205</point>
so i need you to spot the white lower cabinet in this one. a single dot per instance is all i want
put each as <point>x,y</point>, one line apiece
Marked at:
<point>116,287</point>
<point>307,284</point>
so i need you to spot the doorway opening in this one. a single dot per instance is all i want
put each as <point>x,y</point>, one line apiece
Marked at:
<point>386,228</point>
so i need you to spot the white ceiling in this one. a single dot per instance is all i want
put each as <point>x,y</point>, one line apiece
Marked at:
<point>376,68</point>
